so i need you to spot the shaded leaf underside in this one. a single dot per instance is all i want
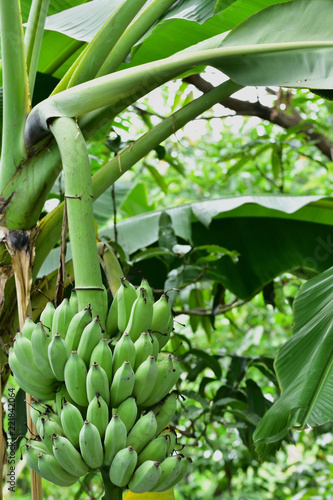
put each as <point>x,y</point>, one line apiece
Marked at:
<point>296,234</point>
<point>304,367</point>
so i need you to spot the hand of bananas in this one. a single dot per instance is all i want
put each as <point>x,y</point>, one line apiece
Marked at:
<point>112,402</point>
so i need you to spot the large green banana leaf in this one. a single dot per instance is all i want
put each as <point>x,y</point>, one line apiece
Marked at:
<point>186,24</point>
<point>276,50</point>
<point>259,51</point>
<point>304,366</point>
<point>82,22</point>
<point>272,234</point>
<point>189,23</point>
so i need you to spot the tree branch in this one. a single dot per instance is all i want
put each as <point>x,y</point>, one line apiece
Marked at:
<point>276,116</point>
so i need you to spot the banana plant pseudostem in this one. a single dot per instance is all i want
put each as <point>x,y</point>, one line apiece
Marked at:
<point>37,142</point>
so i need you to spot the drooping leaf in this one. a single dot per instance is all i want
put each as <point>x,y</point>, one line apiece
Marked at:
<point>103,206</point>
<point>283,45</point>
<point>194,302</point>
<point>236,370</point>
<point>194,395</point>
<point>304,367</point>
<point>82,21</point>
<point>190,22</point>
<point>257,402</point>
<point>208,360</point>
<point>151,252</point>
<point>166,235</point>
<point>137,201</point>
<point>55,6</point>
<point>158,177</point>
<point>272,235</point>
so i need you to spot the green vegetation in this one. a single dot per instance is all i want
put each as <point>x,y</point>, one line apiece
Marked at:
<point>218,193</point>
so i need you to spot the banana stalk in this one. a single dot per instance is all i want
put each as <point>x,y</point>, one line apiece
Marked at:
<point>33,37</point>
<point>111,492</point>
<point>110,89</point>
<point>110,172</point>
<point>79,200</point>
<point>93,56</point>
<point>16,99</point>
<point>145,19</point>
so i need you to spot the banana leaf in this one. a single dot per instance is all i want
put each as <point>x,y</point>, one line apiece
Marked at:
<point>304,367</point>
<point>272,235</point>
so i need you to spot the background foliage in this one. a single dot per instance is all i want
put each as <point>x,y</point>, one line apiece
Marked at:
<point>180,218</point>
<point>227,345</point>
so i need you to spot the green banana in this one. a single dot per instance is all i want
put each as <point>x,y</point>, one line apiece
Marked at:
<point>164,339</point>
<point>172,438</point>
<point>40,425</point>
<point>37,445</point>
<point>68,456</point>
<point>28,381</point>
<point>123,351</point>
<point>123,466</point>
<point>166,379</point>
<point>50,469</point>
<point>142,432</point>
<point>49,428</point>
<point>161,315</point>
<point>73,302</point>
<point>126,296</point>
<point>185,461</point>
<point>75,379</point>
<point>115,438</point>
<point>145,284</point>
<point>41,412</point>
<point>52,415</point>
<point>141,315</point>
<point>165,411</point>
<point>61,318</point>
<point>62,394</point>
<point>97,382</point>
<point>171,468</point>
<point>34,414</point>
<point>157,450</point>
<point>91,445</point>
<point>143,349</point>
<point>40,341</point>
<point>122,384</point>
<point>58,356</point>
<point>46,317</point>
<point>102,355</point>
<point>31,456</point>
<point>145,379</point>
<point>128,412</point>
<point>98,414</point>
<point>28,328</point>
<point>161,387</point>
<point>112,318</point>
<point>25,356</point>
<point>71,422</point>
<point>90,337</point>
<point>76,327</point>
<point>145,477</point>
<point>155,343</point>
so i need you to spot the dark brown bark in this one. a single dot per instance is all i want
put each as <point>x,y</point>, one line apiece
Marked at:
<point>272,115</point>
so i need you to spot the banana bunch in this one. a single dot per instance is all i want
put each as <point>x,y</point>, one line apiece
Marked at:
<point>41,351</point>
<point>134,311</point>
<point>136,448</point>
<point>108,402</point>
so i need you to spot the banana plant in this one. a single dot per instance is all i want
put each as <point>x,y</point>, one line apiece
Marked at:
<point>92,76</point>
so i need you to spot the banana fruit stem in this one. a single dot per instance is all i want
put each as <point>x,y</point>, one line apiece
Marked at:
<point>79,200</point>
<point>111,492</point>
